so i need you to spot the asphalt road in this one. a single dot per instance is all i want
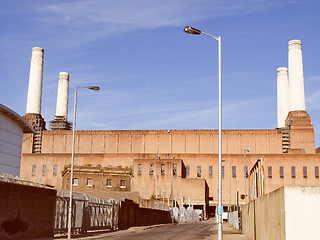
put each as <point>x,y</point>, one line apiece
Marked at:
<point>185,231</point>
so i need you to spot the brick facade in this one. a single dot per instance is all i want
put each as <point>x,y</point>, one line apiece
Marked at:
<point>195,153</point>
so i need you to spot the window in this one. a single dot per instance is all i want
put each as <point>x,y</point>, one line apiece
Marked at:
<point>234,171</point>
<point>187,171</point>
<point>89,182</point>
<point>198,171</point>
<point>163,167</point>
<point>305,172</point>
<point>55,170</point>
<point>316,172</point>
<point>75,182</point>
<point>174,169</point>
<point>122,183</point>
<point>281,172</point>
<point>109,183</point>
<point>34,167</point>
<point>222,171</point>
<point>245,171</point>
<point>151,169</point>
<point>139,169</point>
<point>293,172</point>
<point>269,172</point>
<point>210,171</point>
<point>44,170</point>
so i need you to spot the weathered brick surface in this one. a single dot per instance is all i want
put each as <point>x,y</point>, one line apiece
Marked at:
<point>26,211</point>
<point>132,215</point>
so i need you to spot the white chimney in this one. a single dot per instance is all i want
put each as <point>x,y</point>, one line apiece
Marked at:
<point>282,95</point>
<point>35,81</point>
<point>63,94</point>
<point>296,82</point>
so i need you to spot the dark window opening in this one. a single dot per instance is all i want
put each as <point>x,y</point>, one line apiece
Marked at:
<point>198,171</point>
<point>234,171</point>
<point>305,172</point>
<point>293,172</point>
<point>281,172</point>
<point>269,172</point>
<point>174,169</point>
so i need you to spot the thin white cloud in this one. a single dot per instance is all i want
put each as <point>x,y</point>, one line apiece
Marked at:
<point>83,21</point>
<point>312,101</point>
<point>180,115</point>
<point>313,78</point>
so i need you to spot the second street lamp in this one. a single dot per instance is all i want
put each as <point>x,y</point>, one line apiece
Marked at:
<point>94,88</point>
<point>245,173</point>
<point>195,31</point>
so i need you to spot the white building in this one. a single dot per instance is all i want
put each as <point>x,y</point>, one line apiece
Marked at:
<point>12,126</point>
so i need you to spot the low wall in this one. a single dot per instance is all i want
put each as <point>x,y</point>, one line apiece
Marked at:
<point>132,215</point>
<point>26,211</point>
<point>289,213</point>
<point>264,217</point>
<point>302,213</point>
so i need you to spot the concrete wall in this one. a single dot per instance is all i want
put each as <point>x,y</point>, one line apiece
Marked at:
<point>26,211</point>
<point>132,215</point>
<point>288,213</point>
<point>302,213</point>
<point>264,218</point>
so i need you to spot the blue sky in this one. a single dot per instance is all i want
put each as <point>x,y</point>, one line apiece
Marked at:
<point>152,75</point>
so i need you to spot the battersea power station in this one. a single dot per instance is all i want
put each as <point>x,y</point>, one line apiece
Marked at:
<point>173,165</point>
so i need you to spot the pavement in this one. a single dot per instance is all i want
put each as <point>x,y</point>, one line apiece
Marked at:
<point>229,232</point>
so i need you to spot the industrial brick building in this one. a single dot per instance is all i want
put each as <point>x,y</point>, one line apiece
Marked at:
<point>182,164</point>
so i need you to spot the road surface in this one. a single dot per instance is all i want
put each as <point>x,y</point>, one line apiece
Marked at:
<point>184,231</point>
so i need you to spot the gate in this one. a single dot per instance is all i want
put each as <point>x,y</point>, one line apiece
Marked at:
<point>87,213</point>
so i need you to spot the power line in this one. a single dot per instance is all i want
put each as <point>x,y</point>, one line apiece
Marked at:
<point>8,165</point>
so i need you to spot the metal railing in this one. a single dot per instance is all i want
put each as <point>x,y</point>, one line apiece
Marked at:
<point>87,213</point>
<point>17,180</point>
<point>153,204</point>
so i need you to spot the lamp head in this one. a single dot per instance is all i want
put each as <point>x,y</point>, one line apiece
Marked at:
<point>191,30</point>
<point>95,88</point>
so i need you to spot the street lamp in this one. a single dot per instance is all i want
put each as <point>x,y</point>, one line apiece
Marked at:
<point>192,30</point>
<point>164,191</point>
<point>95,88</point>
<point>245,173</point>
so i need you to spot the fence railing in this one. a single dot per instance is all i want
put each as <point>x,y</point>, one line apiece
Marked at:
<point>87,213</point>
<point>154,204</point>
<point>17,180</point>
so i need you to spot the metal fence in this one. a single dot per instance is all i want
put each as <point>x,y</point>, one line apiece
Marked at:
<point>154,204</point>
<point>87,213</point>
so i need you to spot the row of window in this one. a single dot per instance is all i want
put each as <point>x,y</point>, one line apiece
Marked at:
<point>75,182</point>
<point>44,170</point>
<point>234,171</point>
<point>163,169</point>
<point>293,172</point>
<point>174,171</point>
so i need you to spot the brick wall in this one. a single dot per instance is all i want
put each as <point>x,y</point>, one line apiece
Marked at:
<point>26,211</point>
<point>132,215</point>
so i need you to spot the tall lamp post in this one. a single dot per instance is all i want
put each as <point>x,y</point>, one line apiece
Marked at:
<point>191,30</point>
<point>245,172</point>
<point>95,88</point>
